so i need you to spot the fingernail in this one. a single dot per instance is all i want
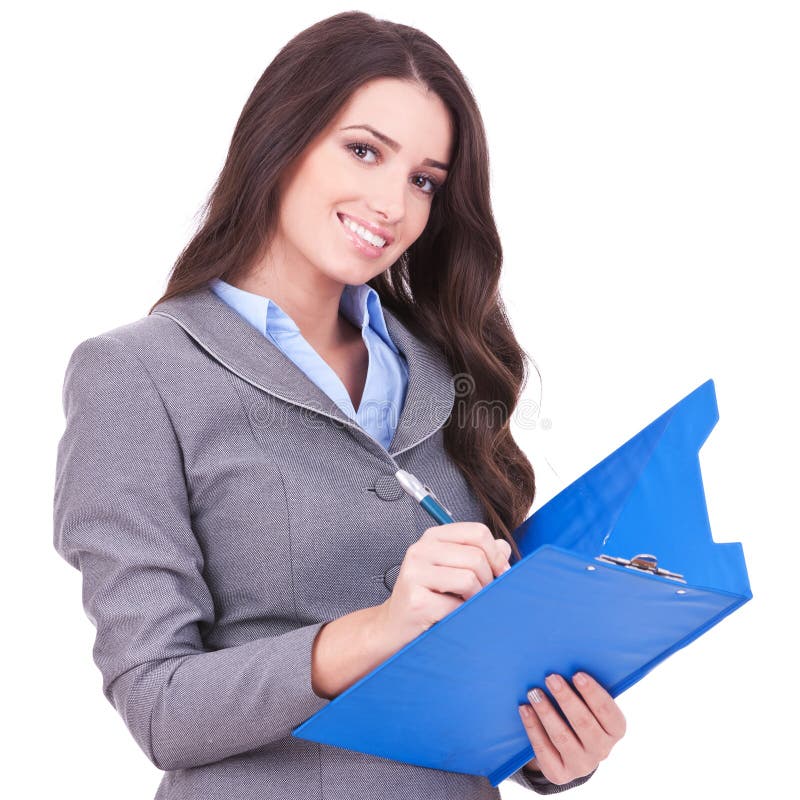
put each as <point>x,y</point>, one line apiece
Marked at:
<point>526,711</point>
<point>535,696</point>
<point>554,682</point>
<point>580,679</point>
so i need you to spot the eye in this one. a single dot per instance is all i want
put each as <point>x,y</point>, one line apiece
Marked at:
<point>355,146</point>
<point>362,146</point>
<point>434,184</point>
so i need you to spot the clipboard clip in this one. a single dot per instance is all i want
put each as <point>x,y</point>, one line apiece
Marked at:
<point>643,562</point>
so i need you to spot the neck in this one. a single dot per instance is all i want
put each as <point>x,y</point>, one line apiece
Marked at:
<point>313,306</point>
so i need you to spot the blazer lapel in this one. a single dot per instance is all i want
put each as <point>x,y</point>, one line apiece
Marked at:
<point>238,346</point>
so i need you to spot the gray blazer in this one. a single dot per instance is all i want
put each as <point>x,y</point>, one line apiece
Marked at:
<point>221,508</point>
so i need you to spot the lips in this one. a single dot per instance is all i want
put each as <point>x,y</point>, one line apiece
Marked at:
<point>371,227</point>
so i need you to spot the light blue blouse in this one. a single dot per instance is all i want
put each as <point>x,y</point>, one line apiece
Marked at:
<point>387,373</point>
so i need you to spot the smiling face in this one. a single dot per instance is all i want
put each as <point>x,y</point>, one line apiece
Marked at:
<point>383,178</point>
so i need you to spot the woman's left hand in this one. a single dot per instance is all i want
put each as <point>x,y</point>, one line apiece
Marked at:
<point>563,753</point>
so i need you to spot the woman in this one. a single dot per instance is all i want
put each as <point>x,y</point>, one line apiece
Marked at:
<point>225,482</point>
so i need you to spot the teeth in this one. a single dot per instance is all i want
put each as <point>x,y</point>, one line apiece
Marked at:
<point>364,233</point>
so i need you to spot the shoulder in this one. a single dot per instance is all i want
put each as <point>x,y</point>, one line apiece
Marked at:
<point>152,331</point>
<point>139,359</point>
<point>150,341</point>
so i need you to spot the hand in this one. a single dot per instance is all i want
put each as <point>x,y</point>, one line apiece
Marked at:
<point>563,753</point>
<point>446,566</point>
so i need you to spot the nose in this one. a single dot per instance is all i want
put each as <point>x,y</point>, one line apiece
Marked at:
<point>388,201</point>
<point>389,213</point>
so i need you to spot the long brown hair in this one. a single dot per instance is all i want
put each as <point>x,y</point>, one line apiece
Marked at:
<point>444,287</point>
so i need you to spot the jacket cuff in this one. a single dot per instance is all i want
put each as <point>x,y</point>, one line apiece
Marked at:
<point>540,784</point>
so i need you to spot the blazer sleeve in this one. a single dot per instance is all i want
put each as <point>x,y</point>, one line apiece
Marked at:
<point>540,784</point>
<point>122,518</point>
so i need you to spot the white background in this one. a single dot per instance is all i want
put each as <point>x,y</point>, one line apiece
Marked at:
<point>645,178</point>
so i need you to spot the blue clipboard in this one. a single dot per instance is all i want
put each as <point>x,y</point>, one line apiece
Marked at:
<point>576,600</point>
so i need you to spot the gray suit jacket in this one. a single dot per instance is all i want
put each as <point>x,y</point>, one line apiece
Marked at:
<point>221,508</point>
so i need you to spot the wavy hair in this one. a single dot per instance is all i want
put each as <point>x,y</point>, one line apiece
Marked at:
<point>444,287</point>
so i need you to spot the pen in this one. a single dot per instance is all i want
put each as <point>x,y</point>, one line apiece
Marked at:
<point>424,496</point>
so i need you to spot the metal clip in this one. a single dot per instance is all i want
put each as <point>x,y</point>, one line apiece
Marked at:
<point>643,562</point>
<point>430,492</point>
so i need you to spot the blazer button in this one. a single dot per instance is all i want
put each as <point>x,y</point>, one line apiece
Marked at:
<point>388,488</point>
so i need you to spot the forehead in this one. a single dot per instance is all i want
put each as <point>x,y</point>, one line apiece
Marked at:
<point>416,119</point>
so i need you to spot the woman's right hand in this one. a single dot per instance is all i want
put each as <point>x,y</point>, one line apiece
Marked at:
<point>446,566</point>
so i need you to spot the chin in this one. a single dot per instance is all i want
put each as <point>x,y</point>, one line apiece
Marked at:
<point>355,273</point>
<point>352,275</point>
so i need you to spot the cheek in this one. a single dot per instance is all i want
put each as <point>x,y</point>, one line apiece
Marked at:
<point>418,219</point>
<point>330,172</point>
<point>306,201</point>
<point>315,181</point>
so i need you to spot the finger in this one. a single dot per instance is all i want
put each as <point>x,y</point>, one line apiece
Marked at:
<point>505,548</point>
<point>564,739</point>
<point>462,583</point>
<point>605,709</point>
<point>591,734</point>
<point>548,759</point>
<point>451,554</point>
<point>476,534</point>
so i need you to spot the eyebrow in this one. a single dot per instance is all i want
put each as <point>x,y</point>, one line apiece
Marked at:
<point>428,162</point>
